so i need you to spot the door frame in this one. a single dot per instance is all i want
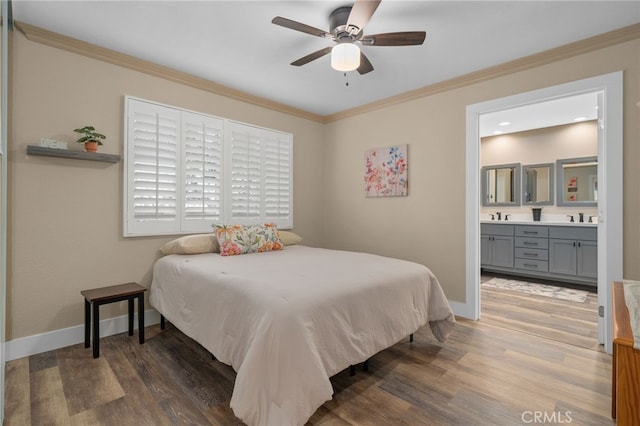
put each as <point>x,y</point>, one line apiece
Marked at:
<point>7,23</point>
<point>610,208</point>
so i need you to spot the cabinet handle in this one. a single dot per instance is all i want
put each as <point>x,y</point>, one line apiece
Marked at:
<point>574,243</point>
<point>531,254</point>
<point>528,243</point>
<point>528,265</point>
<point>579,244</point>
<point>530,232</point>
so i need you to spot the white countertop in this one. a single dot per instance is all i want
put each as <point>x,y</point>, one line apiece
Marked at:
<point>541,223</point>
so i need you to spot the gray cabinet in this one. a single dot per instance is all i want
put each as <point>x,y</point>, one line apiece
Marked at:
<point>587,262</point>
<point>563,256</point>
<point>531,251</point>
<point>563,253</point>
<point>496,246</point>
<point>573,251</point>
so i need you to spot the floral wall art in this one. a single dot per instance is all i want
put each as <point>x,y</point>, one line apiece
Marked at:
<point>386,172</point>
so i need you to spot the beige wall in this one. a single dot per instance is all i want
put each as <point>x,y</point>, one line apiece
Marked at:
<point>65,215</point>
<point>541,145</point>
<point>428,226</point>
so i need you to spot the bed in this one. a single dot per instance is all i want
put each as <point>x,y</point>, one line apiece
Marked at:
<point>288,320</point>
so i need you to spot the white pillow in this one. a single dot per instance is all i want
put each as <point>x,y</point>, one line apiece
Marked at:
<point>289,238</point>
<point>192,244</point>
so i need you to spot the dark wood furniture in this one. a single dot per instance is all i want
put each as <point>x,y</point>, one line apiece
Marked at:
<point>625,381</point>
<point>103,295</point>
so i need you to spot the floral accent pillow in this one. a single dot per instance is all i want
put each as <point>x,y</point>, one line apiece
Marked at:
<point>238,239</point>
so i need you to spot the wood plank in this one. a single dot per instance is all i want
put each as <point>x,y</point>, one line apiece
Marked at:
<point>173,401</point>
<point>17,388</point>
<point>88,382</point>
<point>48,401</point>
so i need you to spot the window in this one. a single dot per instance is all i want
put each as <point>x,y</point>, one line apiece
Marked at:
<point>185,171</point>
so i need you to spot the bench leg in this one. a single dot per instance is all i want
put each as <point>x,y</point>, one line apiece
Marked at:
<point>163,324</point>
<point>130,302</point>
<point>87,323</point>
<point>96,330</point>
<point>141,318</point>
<point>411,338</point>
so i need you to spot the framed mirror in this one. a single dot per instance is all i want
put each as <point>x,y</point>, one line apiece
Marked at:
<point>537,184</point>
<point>577,182</point>
<point>501,185</point>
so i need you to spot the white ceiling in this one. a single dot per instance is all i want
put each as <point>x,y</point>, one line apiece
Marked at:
<point>234,43</point>
<point>554,112</point>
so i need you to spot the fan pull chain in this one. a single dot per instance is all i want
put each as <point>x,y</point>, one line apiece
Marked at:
<point>347,81</point>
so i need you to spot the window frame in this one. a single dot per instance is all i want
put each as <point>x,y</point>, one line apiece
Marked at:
<point>181,223</point>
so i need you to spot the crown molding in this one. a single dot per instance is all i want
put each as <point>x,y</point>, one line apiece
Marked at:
<point>59,41</point>
<point>80,47</point>
<point>601,41</point>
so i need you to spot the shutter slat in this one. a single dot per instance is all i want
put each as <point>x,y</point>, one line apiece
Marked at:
<point>179,178</point>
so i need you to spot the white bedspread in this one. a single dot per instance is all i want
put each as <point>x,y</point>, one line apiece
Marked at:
<point>288,320</point>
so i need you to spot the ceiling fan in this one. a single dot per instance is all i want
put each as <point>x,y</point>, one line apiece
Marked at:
<point>346,25</point>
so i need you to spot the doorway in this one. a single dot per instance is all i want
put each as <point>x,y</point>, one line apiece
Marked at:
<point>609,89</point>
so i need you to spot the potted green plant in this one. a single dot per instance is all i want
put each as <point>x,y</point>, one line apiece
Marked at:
<point>90,138</point>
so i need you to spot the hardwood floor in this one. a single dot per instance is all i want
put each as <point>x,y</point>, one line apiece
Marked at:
<point>575,323</point>
<point>485,374</point>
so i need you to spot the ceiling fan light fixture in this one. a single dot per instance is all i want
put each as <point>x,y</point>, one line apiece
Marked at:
<point>345,57</point>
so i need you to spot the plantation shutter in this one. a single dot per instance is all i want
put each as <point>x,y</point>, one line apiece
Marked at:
<point>185,171</point>
<point>245,177</point>
<point>202,171</point>
<point>278,178</point>
<point>153,154</point>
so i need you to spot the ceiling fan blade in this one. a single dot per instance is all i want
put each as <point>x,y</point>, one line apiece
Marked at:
<point>408,38</point>
<point>365,65</point>
<point>361,13</point>
<point>298,26</point>
<point>311,57</point>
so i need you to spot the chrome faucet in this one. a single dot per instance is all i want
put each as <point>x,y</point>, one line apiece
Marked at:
<point>581,217</point>
<point>570,216</point>
<point>499,215</point>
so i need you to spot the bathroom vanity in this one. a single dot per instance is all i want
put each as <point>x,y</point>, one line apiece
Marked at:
<point>563,252</point>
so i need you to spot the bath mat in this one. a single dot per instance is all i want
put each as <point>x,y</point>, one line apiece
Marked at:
<point>538,289</point>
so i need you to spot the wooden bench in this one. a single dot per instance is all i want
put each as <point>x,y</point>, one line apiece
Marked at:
<point>103,295</point>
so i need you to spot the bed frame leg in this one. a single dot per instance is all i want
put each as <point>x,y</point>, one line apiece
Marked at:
<point>213,357</point>
<point>365,366</point>
<point>352,370</point>
<point>411,338</point>
<point>163,324</point>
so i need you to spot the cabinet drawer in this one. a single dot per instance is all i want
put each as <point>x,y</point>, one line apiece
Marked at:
<point>574,232</point>
<point>491,229</point>
<point>536,243</point>
<point>535,254</point>
<point>532,231</point>
<point>532,265</point>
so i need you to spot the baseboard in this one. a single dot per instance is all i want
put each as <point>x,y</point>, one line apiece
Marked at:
<point>461,309</point>
<point>38,343</point>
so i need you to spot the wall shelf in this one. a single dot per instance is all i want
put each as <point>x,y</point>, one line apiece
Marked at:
<point>78,155</point>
